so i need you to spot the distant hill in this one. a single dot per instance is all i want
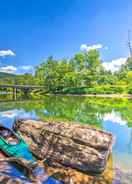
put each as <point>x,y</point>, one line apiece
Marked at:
<point>6,75</point>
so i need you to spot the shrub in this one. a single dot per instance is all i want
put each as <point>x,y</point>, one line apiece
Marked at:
<point>130,90</point>
<point>107,89</point>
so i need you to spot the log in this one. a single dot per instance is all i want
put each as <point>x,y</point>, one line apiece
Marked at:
<point>76,146</point>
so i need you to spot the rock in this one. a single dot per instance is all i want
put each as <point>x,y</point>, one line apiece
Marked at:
<point>71,145</point>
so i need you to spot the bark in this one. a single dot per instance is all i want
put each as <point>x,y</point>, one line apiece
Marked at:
<point>80,147</point>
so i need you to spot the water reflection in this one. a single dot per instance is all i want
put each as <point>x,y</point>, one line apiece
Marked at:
<point>10,170</point>
<point>113,115</point>
<point>8,117</point>
<point>13,173</point>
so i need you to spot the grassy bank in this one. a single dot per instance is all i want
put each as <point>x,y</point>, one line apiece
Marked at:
<point>105,89</point>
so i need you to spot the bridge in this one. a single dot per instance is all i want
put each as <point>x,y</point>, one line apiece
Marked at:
<point>26,89</point>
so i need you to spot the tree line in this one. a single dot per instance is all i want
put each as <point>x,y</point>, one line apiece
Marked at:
<point>83,73</point>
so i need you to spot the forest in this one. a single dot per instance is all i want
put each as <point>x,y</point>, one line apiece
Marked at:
<point>82,74</point>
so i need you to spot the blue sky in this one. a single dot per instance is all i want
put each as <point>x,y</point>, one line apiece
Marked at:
<point>32,30</point>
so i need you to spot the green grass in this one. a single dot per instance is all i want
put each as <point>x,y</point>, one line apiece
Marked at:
<point>107,89</point>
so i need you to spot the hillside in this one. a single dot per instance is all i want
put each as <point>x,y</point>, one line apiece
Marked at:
<point>6,75</point>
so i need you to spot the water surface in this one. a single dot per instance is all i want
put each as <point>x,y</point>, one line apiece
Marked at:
<point>113,115</point>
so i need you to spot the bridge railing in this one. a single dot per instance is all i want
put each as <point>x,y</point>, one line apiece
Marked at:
<point>20,86</point>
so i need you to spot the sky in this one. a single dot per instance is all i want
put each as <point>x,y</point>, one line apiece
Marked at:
<point>32,30</point>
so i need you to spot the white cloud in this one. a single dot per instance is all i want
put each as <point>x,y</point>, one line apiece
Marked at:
<point>114,117</point>
<point>85,47</point>
<point>11,114</point>
<point>114,65</point>
<point>8,69</point>
<point>8,52</point>
<point>26,67</point>
<point>17,70</point>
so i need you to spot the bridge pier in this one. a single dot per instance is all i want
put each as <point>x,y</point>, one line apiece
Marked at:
<point>25,90</point>
<point>14,93</point>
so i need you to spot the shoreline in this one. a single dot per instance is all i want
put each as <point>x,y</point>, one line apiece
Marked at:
<point>125,96</point>
<point>100,95</point>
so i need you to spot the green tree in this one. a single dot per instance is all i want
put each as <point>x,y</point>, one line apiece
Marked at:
<point>129,64</point>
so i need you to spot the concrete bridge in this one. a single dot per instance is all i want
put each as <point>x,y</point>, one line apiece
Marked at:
<point>25,89</point>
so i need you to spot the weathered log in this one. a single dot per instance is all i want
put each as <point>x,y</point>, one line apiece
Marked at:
<point>81,147</point>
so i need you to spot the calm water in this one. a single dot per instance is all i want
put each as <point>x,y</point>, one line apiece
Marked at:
<point>113,115</point>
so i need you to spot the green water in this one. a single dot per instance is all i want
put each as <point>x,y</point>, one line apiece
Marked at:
<point>113,115</point>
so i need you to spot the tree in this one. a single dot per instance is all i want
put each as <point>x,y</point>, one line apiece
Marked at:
<point>78,62</point>
<point>92,60</point>
<point>129,64</point>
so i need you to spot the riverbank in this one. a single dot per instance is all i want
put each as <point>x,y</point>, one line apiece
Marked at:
<point>101,95</point>
<point>123,96</point>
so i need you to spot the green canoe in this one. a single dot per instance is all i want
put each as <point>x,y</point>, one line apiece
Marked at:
<point>12,144</point>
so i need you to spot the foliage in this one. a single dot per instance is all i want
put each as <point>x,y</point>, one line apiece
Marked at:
<point>6,75</point>
<point>6,78</point>
<point>104,89</point>
<point>129,64</point>
<point>81,70</point>
<point>81,74</point>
